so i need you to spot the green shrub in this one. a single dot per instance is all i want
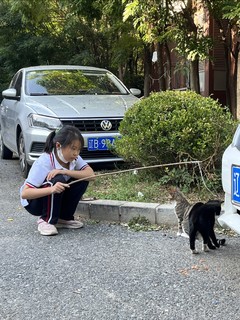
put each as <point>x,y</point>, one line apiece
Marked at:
<point>176,126</point>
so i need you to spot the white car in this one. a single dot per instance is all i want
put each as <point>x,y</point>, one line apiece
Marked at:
<point>44,98</point>
<point>231,185</point>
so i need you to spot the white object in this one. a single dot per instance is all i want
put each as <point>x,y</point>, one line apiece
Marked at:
<point>154,57</point>
<point>231,221</point>
<point>231,184</point>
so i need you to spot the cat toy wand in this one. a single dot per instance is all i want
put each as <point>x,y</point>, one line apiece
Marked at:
<point>135,169</point>
<point>146,167</point>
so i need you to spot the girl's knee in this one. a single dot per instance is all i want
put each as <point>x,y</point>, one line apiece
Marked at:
<point>58,178</point>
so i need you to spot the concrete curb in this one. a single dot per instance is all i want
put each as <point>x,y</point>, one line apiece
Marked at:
<point>124,211</point>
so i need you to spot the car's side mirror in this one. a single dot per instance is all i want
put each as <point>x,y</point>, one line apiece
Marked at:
<point>135,92</point>
<point>10,93</point>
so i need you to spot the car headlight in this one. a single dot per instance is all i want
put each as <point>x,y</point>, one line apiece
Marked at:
<point>36,120</point>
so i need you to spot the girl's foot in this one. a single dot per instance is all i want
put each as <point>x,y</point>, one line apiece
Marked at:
<point>46,229</point>
<point>69,224</point>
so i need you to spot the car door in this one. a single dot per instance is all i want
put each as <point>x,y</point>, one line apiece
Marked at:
<point>9,113</point>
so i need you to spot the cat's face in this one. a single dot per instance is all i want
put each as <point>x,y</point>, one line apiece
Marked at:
<point>172,191</point>
<point>217,206</point>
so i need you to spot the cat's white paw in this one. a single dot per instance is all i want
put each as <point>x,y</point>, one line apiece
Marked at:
<point>194,251</point>
<point>205,248</point>
<point>185,235</point>
<point>180,231</point>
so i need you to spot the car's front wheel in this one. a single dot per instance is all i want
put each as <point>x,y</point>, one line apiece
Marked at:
<point>25,167</point>
<point>5,153</point>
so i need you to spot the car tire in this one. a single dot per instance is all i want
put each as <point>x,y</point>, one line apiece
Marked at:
<point>5,153</point>
<point>25,167</point>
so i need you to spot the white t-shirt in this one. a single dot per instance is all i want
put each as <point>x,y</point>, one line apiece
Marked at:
<point>42,166</point>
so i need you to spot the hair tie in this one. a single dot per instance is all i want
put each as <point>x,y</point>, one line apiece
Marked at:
<point>56,130</point>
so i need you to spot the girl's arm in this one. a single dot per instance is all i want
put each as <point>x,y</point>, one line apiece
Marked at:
<point>34,193</point>
<point>87,173</point>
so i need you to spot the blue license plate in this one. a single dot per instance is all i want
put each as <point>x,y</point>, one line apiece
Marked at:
<point>236,184</point>
<point>100,143</point>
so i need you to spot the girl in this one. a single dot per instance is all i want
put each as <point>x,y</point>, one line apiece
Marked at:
<point>46,192</point>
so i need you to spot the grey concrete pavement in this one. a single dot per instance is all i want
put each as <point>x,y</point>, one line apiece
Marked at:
<point>105,271</point>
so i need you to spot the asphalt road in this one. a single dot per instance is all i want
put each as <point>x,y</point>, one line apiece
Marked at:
<point>105,271</point>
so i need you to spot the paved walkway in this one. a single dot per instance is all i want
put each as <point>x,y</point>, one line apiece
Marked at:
<point>106,272</point>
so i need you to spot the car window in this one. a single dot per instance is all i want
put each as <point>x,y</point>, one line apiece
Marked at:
<point>16,83</point>
<point>72,82</point>
<point>13,82</point>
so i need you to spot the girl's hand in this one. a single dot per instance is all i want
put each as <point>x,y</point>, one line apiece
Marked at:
<point>59,187</point>
<point>53,173</point>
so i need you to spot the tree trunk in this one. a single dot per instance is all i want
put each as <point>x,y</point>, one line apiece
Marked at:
<point>238,88</point>
<point>121,72</point>
<point>231,58</point>
<point>131,68</point>
<point>194,76</point>
<point>161,71</point>
<point>147,69</point>
<point>232,88</point>
<point>169,67</point>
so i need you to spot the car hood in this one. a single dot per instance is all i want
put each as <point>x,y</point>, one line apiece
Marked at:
<point>81,106</point>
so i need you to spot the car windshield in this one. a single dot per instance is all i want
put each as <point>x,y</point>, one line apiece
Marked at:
<point>72,82</point>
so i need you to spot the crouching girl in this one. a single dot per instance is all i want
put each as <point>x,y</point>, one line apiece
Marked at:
<point>46,192</point>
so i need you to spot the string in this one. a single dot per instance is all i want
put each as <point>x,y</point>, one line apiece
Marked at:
<point>134,169</point>
<point>144,168</point>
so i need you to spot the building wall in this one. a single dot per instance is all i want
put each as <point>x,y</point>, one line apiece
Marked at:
<point>218,86</point>
<point>238,89</point>
<point>212,72</point>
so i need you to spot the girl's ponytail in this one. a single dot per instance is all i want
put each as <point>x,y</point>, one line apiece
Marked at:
<point>49,142</point>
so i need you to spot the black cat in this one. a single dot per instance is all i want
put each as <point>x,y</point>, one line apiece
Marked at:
<point>202,220</point>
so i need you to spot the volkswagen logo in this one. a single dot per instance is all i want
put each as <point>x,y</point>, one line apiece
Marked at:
<point>106,125</point>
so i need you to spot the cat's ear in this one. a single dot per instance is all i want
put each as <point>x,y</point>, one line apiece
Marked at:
<point>172,190</point>
<point>215,202</point>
